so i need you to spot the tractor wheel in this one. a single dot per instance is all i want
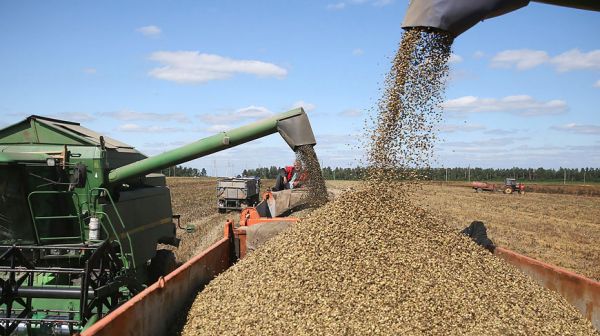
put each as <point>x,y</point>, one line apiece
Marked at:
<point>508,190</point>
<point>478,190</point>
<point>161,264</point>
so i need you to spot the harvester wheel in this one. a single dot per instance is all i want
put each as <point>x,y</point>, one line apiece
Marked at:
<point>508,190</point>
<point>162,264</point>
<point>479,190</point>
<point>522,192</point>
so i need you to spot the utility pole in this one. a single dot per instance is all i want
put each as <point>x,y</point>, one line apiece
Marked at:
<point>584,171</point>
<point>565,177</point>
<point>469,173</point>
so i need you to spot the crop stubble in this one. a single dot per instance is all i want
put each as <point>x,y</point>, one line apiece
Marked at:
<point>372,261</point>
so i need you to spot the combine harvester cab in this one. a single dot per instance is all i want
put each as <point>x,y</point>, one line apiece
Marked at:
<point>81,216</point>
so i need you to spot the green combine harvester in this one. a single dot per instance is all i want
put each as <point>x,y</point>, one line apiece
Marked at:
<point>81,216</point>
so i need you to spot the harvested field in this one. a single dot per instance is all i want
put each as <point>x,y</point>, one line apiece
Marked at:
<point>563,230</point>
<point>546,188</point>
<point>583,190</point>
<point>195,200</point>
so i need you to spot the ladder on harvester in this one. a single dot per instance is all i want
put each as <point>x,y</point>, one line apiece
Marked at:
<point>106,223</point>
<point>42,225</point>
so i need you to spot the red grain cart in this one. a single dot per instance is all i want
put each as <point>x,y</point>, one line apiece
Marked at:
<point>484,186</point>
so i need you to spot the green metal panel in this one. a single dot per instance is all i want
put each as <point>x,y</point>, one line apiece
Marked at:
<point>34,131</point>
<point>7,157</point>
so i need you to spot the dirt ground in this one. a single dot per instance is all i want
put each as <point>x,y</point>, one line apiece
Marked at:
<point>563,230</point>
<point>195,200</point>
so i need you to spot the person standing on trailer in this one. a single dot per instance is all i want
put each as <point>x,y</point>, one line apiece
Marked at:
<point>290,177</point>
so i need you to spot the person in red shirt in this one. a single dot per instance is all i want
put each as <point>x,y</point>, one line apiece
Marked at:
<point>290,177</point>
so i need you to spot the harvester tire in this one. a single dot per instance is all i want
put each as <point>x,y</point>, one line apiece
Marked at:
<point>162,263</point>
<point>479,190</point>
<point>508,190</point>
<point>522,192</point>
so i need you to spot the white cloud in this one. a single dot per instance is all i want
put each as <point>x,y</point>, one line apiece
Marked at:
<point>478,54</point>
<point>549,156</point>
<point>164,144</point>
<point>454,58</point>
<point>453,128</point>
<point>579,128</point>
<point>249,113</point>
<point>522,59</point>
<point>189,67</point>
<point>218,128</point>
<point>350,113</point>
<point>74,116</point>
<point>378,3</point>
<point>343,4</point>
<point>308,107</point>
<point>128,115</point>
<point>336,6</point>
<point>89,71</point>
<point>336,141</point>
<point>597,84</point>
<point>358,52</point>
<point>576,60</point>
<point>477,146</point>
<point>522,105</point>
<point>147,129</point>
<point>150,31</point>
<point>499,131</point>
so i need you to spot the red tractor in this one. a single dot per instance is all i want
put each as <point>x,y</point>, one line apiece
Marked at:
<point>511,185</point>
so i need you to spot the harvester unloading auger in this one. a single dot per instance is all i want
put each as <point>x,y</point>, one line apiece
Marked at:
<point>457,16</point>
<point>81,216</point>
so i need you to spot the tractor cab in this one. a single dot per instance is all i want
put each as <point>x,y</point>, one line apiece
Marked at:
<point>511,185</point>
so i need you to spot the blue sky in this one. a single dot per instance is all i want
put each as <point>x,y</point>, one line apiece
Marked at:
<point>524,88</point>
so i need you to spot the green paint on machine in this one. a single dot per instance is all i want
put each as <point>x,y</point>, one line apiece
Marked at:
<point>81,216</point>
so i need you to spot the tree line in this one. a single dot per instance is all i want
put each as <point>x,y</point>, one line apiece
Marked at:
<point>182,171</point>
<point>458,174</point>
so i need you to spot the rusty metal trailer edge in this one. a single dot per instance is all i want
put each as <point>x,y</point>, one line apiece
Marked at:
<point>153,310</point>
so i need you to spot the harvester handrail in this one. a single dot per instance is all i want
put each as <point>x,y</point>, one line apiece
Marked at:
<point>114,231</point>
